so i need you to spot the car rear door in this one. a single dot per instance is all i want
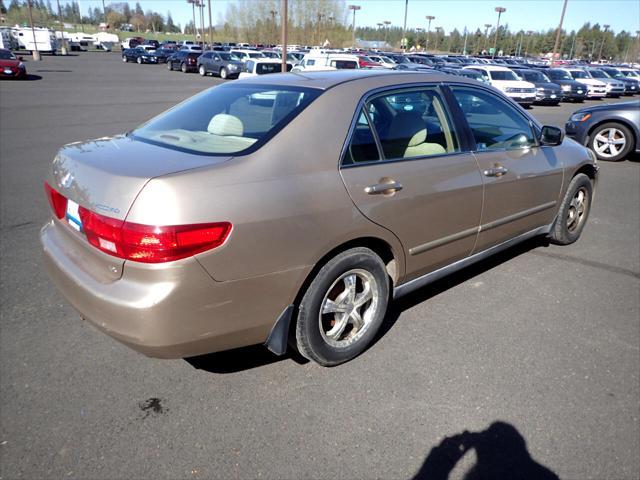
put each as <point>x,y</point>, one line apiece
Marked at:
<point>405,169</point>
<point>522,180</point>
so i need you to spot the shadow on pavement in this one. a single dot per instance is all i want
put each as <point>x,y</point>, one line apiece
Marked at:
<point>240,359</point>
<point>501,453</point>
<point>429,291</point>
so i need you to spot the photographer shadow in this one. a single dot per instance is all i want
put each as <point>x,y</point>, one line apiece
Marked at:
<point>501,454</point>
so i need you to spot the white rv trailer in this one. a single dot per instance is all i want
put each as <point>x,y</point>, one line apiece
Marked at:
<point>105,41</point>
<point>44,41</point>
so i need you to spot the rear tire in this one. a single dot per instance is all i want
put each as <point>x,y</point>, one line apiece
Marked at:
<point>139,61</point>
<point>169,66</point>
<point>183,67</point>
<point>343,307</point>
<point>223,73</point>
<point>574,211</point>
<point>611,131</point>
<point>124,59</point>
<point>202,71</point>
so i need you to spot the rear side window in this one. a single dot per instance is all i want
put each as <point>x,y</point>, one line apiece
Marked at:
<point>362,147</point>
<point>227,119</point>
<point>413,123</point>
<point>495,124</point>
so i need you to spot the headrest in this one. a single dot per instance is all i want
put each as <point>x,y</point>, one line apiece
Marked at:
<point>418,138</point>
<point>408,126</point>
<point>226,126</point>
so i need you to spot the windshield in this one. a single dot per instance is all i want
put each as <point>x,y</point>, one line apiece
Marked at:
<point>7,55</point>
<point>226,119</point>
<point>560,75</point>
<point>579,74</point>
<point>507,75</point>
<point>599,74</point>
<point>228,56</point>
<point>535,77</point>
<point>612,72</point>
<point>263,68</point>
<point>630,73</point>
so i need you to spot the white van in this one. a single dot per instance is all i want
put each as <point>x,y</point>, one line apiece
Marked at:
<point>45,39</point>
<point>329,61</point>
<point>105,41</point>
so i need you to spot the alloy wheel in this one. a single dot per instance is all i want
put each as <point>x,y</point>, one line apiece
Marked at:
<point>349,307</point>
<point>577,209</point>
<point>609,142</point>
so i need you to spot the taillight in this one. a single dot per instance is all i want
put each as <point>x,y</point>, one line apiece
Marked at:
<point>151,243</point>
<point>57,201</point>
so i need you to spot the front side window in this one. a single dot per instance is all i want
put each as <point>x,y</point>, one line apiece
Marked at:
<point>226,119</point>
<point>495,124</point>
<point>412,123</point>
<point>344,64</point>
<point>505,75</point>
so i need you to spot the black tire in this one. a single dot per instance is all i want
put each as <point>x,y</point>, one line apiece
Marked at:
<point>183,67</point>
<point>223,73</point>
<point>169,66</point>
<point>139,61</point>
<point>202,71</point>
<point>564,231</point>
<point>311,338</point>
<point>624,133</point>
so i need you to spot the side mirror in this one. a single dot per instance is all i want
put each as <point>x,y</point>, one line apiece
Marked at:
<point>20,59</point>
<point>551,136</point>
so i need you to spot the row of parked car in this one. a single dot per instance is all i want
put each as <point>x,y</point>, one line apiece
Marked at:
<point>525,82</point>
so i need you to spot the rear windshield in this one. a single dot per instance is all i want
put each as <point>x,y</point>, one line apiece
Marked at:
<point>231,118</point>
<point>344,64</point>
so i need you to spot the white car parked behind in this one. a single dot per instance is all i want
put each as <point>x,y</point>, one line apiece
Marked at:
<point>506,80</point>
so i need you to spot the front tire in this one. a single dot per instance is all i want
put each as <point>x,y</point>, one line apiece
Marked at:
<point>139,61</point>
<point>169,66</point>
<point>611,142</point>
<point>202,71</point>
<point>183,67</point>
<point>574,211</point>
<point>343,307</point>
<point>223,73</point>
<point>125,59</point>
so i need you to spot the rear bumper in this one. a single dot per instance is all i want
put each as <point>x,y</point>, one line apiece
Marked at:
<point>173,310</point>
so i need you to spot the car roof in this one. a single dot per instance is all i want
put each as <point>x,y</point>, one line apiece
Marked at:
<point>327,79</point>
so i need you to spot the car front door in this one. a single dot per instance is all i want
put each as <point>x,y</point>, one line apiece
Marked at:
<point>522,180</point>
<point>405,169</point>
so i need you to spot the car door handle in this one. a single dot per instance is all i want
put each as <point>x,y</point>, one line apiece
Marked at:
<point>383,188</point>
<point>497,171</point>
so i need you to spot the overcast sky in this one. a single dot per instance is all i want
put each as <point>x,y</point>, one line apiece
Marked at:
<point>450,14</point>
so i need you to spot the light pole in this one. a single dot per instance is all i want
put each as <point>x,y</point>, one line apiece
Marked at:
<point>464,47</point>
<point>573,46</point>
<point>273,14</point>
<point>404,25</point>
<point>284,19</point>
<point>500,11</point>
<point>429,18</point>
<point>193,8</point>
<point>438,30</point>
<point>320,16</point>
<point>557,43</point>
<point>604,38</point>
<point>63,47</point>
<point>519,45</point>
<point>210,26</point>
<point>526,50</point>
<point>418,31</point>
<point>487,26</point>
<point>355,8</point>
<point>35,53</point>
<point>386,31</point>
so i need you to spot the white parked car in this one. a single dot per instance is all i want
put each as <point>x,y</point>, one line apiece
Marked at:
<point>191,47</point>
<point>245,55</point>
<point>506,80</point>
<point>595,88</point>
<point>262,66</point>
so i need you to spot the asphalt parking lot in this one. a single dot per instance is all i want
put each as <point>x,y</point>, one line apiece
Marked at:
<point>539,345</point>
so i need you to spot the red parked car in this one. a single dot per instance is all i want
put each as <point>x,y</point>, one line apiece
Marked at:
<point>11,66</point>
<point>365,61</point>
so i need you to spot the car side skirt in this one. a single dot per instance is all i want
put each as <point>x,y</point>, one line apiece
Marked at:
<point>420,282</point>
